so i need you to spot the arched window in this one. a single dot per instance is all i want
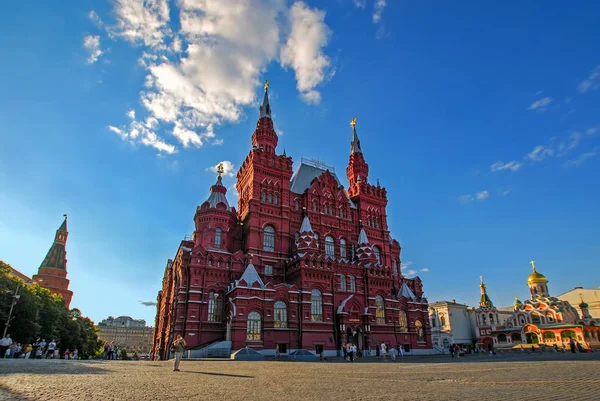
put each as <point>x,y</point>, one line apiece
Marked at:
<point>275,199</point>
<point>395,264</point>
<point>214,307</point>
<point>491,318</point>
<point>253,327</point>
<point>549,318</point>
<point>420,331</point>
<point>377,253</point>
<point>343,248</point>
<point>280,314</point>
<point>218,235</point>
<point>329,247</point>
<point>296,237</point>
<point>315,206</point>
<point>443,320</point>
<point>536,318</point>
<point>316,236</point>
<point>380,309</point>
<point>352,284</point>
<point>548,335</point>
<point>297,205</point>
<point>269,239</point>
<point>270,198</point>
<point>316,306</point>
<point>502,338</point>
<point>342,283</point>
<point>352,252</point>
<point>483,319</point>
<point>263,196</point>
<point>341,213</point>
<point>402,321</point>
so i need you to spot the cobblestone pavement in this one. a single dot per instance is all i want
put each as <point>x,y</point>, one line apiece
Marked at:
<point>476,377</point>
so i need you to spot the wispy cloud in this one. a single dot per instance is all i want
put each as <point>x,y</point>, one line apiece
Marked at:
<point>540,153</point>
<point>147,303</point>
<point>591,82</point>
<point>540,105</point>
<point>425,270</point>
<point>228,168</point>
<point>410,272</point>
<point>95,18</point>
<point>404,266</point>
<point>582,158</point>
<point>360,3</point>
<point>91,43</point>
<point>477,196</point>
<point>378,10</point>
<point>205,67</point>
<point>505,192</point>
<point>500,166</point>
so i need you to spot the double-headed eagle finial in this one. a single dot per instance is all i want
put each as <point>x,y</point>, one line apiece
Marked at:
<point>220,169</point>
<point>266,85</point>
<point>353,122</point>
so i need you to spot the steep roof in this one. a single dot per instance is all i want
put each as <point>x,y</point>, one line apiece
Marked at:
<point>217,195</point>
<point>250,276</point>
<point>56,258</point>
<point>407,292</point>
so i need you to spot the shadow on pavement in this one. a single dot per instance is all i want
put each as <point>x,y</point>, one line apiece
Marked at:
<point>8,367</point>
<point>219,374</point>
<point>8,394</point>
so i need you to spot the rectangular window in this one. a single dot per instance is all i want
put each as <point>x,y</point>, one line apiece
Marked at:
<point>268,270</point>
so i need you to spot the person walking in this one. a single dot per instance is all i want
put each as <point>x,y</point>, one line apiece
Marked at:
<point>178,348</point>
<point>5,344</point>
<point>51,348</point>
<point>393,354</point>
<point>451,348</point>
<point>383,351</point>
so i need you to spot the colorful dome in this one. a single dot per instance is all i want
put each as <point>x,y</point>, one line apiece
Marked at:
<point>583,305</point>
<point>535,278</point>
<point>517,302</point>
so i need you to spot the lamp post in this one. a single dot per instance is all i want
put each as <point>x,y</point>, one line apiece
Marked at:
<point>12,305</point>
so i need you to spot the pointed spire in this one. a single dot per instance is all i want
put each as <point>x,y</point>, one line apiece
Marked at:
<point>306,239</point>
<point>218,191</point>
<point>265,109</point>
<point>63,226</point>
<point>306,227</point>
<point>56,258</point>
<point>355,144</point>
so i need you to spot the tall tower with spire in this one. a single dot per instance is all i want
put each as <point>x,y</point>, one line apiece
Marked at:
<point>484,300</point>
<point>358,169</point>
<point>52,273</point>
<point>537,283</point>
<point>264,136</point>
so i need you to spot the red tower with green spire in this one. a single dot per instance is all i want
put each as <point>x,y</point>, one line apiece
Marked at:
<point>52,273</point>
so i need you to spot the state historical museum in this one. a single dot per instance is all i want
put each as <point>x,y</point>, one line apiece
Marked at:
<point>303,263</point>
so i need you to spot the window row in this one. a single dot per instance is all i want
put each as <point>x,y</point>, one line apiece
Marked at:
<point>269,198</point>
<point>254,321</point>
<point>343,280</point>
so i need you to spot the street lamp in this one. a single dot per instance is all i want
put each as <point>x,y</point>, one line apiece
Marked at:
<point>12,305</point>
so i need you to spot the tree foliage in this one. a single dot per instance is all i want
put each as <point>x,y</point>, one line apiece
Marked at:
<point>40,314</point>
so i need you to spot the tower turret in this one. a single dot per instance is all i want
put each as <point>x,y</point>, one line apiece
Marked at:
<point>538,283</point>
<point>357,170</point>
<point>584,307</point>
<point>264,135</point>
<point>52,273</point>
<point>484,300</point>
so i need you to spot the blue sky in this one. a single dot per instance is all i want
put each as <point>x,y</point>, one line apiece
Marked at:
<point>482,121</point>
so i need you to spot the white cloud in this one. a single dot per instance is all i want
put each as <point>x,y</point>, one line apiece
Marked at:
<point>379,6</point>
<point>204,74</point>
<point>360,3</point>
<point>591,131</point>
<point>410,272</point>
<point>540,105</point>
<point>95,18</point>
<point>505,192</point>
<point>404,266</point>
<point>140,22</point>
<point>425,270</point>
<point>228,168</point>
<point>591,82</point>
<point>499,166</point>
<point>217,141</point>
<point>303,50</point>
<point>92,46</point>
<point>478,196</point>
<point>540,153</point>
<point>144,133</point>
<point>482,195</point>
<point>131,114</point>
<point>582,158</point>
<point>564,147</point>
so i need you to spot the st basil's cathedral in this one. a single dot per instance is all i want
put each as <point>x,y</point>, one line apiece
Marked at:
<point>303,263</point>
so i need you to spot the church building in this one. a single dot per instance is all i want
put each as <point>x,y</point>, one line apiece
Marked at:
<point>302,263</point>
<point>52,273</point>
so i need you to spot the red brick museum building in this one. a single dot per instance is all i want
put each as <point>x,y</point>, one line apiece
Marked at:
<point>303,263</point>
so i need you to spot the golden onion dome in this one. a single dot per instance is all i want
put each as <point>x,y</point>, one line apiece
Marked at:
<point>536,278</point>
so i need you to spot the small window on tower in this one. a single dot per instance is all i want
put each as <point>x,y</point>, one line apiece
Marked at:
<point>270,198</point>
<point>268,270</point>
<point>297,205</point>
<point>275,199</point>
<point>263,197</point>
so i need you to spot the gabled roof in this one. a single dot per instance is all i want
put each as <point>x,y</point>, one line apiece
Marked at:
<point>306,173</point>
<point>407,292</point>
<point>251,276</point>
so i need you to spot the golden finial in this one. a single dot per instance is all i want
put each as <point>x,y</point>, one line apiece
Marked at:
<point>220,169</point>
<point>266,85</point>
<point>533,265</point>
<point>353,122</point>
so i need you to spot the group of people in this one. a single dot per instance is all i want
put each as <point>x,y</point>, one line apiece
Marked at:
<point>111,351</point>
<point>37,350</point>
<point>382,350</point>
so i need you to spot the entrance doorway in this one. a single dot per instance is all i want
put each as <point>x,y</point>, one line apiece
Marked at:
<point>532,338</point>
<point>355,337</point>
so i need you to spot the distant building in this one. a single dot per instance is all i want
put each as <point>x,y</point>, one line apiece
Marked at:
<point>590,295</point>
<point>52,273</point>
<point>548,320</point>
<point>450,324</point>
<point>128,333</point>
